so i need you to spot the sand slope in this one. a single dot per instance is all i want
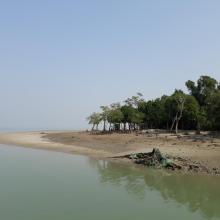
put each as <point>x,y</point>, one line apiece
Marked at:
<point>204,149</point>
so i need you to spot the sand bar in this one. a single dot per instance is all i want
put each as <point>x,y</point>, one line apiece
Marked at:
<point>205,150</point>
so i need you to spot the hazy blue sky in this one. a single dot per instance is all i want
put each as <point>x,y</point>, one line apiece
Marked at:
<point>61,60</point>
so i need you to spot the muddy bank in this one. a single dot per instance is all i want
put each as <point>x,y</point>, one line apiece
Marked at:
<point>196,150</point>
<point>204,149</point>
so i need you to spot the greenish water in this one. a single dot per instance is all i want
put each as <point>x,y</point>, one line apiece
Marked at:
<point>42,185</point>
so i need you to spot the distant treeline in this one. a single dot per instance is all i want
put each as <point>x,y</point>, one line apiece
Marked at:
<point>198,110</point>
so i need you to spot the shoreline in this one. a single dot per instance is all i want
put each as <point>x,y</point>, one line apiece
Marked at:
<point>36,140</point>
<point>109,146</point>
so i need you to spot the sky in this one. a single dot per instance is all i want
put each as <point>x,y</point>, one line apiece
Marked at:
<point>61,60</point>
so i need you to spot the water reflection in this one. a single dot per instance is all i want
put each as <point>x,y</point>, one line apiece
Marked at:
<point>198,193</point>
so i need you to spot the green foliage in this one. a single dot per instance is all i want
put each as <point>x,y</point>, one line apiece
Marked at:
<point>214,110</point>
<point>104,115</point>
<point>206,93</point>
<point>127,112</point>
<point>154,112</point>
<point>94,119</point>
<point>137,117</point>
<point>200,109</point>
<point>203,91</point>
<point>134,101</point>
<point>115,116</point>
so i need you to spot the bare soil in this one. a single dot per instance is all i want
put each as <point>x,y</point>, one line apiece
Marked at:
<point>201,149</point>
<point>204,148</point>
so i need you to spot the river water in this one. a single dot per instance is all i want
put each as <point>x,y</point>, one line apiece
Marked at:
<point>45,185</point>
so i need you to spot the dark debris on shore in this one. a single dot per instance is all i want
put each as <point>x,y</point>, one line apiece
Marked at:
<point>157,160</point>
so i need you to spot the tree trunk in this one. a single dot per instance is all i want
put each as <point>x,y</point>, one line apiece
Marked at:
<point>110,127</point>
<point>177,125</point>
<point>167,125</point>
<point>173,123</point>
<point>124,126</point>
<point>198,131</point>
<point>104,126</point>
<point>93,126</point>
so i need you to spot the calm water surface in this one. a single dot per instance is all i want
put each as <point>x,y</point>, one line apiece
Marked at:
<point>46,185</point>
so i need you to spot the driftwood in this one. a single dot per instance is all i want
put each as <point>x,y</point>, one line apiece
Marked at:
<point>157,160</point>
<point>154,159</point>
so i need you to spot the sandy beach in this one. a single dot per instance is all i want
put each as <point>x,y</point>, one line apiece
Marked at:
<point>204,149</point>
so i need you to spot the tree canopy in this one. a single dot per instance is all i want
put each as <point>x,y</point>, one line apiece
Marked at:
<point>198,110</point>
